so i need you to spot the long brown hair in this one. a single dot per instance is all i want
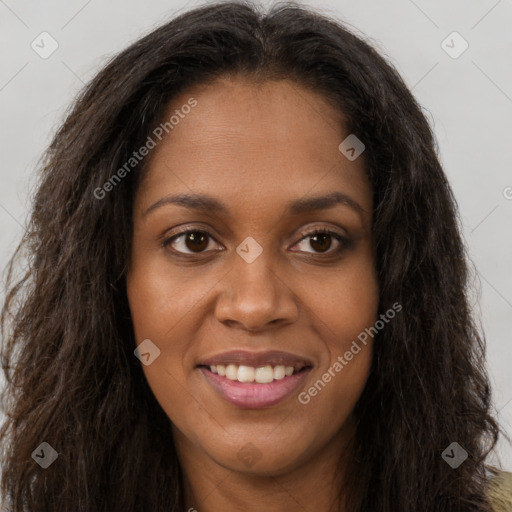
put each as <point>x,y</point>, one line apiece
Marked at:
<point>72,378</point>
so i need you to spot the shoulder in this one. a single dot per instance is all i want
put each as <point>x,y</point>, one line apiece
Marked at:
<point>500,491</point>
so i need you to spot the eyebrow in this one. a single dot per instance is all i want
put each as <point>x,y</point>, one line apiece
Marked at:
<point>207,203</point>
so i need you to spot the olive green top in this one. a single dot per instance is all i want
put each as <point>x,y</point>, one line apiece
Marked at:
<point>500,492</point>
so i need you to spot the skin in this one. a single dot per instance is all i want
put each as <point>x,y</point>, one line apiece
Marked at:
<point>255,147</point>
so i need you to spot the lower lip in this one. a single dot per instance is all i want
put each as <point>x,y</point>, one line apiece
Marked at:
<point>254,395</point>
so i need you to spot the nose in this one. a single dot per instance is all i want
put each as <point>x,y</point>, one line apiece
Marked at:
<point>255,297</point>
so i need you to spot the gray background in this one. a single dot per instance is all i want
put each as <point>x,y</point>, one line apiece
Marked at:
<point>467,99</point>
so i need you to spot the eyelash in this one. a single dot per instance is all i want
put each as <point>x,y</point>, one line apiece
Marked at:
<point>344,242</point>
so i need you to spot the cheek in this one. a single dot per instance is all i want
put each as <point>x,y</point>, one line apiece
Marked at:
<point>344,311</point>
<point>161,298</point>
<point>344,302</point>
<point>166,308</point>
<point>154,319</point>
<point>344,307</point>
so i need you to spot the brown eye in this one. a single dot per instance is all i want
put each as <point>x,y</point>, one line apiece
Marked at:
<point>321,241</point>
<point>189,242</point>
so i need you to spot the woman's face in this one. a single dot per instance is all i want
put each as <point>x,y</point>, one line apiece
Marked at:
<point>251,291</point>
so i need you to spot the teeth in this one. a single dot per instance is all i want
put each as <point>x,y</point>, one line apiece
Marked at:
<point>261,375</point>
<point>232,371</point>
<point>280,372</point>
<point>264,375</point>
<point>246,374</point>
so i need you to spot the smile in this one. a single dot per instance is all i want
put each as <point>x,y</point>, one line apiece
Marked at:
<point>259,387</point>
<point>254,380</point>
<point>261,375</point>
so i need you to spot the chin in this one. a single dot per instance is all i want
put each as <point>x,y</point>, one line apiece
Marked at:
<point>263,455</point>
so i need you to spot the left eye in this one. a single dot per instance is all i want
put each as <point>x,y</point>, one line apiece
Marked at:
<point>321,240</point>
<point>197,241</point>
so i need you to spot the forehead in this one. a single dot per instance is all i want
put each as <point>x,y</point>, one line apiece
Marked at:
<point>253,141</point>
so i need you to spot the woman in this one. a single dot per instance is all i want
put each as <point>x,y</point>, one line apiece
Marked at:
<point>246,288</point>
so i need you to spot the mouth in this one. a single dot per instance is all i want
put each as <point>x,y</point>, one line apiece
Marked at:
<point>255,380</point>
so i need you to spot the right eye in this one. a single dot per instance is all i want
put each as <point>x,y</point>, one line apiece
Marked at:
<point>193,240</point>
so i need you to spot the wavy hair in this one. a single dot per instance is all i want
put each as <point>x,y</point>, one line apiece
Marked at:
<point>72,379</point>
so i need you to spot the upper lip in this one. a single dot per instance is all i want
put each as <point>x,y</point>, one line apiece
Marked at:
<point>257,359</point>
